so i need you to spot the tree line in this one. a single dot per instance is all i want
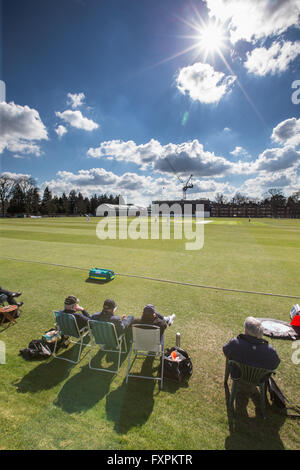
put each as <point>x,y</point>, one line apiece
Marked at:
<point>22,196</point>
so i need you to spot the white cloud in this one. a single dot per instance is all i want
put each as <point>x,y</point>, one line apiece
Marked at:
<point>240,152</point>
<point>276,159</point>
<point>21,126</point>
<point>202,83</point>
<point>287,132</point>
<point>253,20</point>
<point>75,99</point>
<point>76,119</point>
<point>60,130</point>
<point>184,158</point>
<point>15,176</point>
<point>276,59</point>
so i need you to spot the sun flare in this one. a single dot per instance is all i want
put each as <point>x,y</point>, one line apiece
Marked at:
<point>211,38</point>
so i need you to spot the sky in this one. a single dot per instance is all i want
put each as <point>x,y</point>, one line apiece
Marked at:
<point>132,97</point>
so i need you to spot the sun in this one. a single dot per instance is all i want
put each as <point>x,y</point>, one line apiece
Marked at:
<point>211,38</point>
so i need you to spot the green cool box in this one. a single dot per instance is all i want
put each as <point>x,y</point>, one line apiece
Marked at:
<point>98,274</point>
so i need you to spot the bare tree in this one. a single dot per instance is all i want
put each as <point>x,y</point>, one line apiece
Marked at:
<point>6,185</point>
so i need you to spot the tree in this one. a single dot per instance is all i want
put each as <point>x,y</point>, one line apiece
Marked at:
<point>17,201</point>
<point>6,185</point>
<point>47,205</point>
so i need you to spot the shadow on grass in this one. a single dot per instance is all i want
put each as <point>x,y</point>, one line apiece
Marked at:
<point>131,404</point>
<point>51,372</point>
<point>253,433</point>
<point>85,389</point>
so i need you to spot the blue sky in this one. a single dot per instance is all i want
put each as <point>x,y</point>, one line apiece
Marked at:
<point>114,95</point>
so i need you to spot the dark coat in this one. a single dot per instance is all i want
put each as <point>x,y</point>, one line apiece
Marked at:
<point>251,351</point>
<point>120,324</point>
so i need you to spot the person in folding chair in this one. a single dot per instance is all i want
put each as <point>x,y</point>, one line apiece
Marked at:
<point>151,317</point>
<point>108,314</point>
<point>71,305</point>
<point>251,349</point>
<point>9,297</point>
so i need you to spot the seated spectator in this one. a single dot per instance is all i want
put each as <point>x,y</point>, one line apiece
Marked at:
<point>250,349</point>
<point>72,306</point>
<point>108,314</point>
<point>8,296</point>
<point>151,317</point>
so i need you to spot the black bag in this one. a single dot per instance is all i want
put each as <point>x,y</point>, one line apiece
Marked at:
<point>278,398</point>
<point>43,348</point>
<point>180,370</point>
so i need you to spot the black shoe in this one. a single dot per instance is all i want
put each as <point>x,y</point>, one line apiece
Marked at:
<point>19,304</point>
<point>16,294</point>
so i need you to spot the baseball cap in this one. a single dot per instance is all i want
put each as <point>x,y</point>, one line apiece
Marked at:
<point>109,304</point>
<point>71,300</point>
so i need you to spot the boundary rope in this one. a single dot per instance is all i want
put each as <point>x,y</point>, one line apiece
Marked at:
<point>160,280</point>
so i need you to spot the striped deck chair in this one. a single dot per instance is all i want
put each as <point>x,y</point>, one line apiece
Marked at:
<point>67,325</point>
<point>104,334</point>
<point>146,342</point>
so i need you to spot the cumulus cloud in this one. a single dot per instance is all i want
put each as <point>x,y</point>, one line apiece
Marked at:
<point>21,127</point>
<point>60,130</point>
<point>253,20</point>
<point>276,159</point>
<point>75,99</point>
<point>240,152</point>
<point>276,59</point>
<point>182,158</point>
<point>202,83</point>
<point>287,132</point>
<point>76,119</point>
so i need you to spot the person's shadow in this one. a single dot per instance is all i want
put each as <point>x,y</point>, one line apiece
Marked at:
<point>253,433</point>
<point>85,389</point>
<point>131,404</point>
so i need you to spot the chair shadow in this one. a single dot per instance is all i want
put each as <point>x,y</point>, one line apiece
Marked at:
<point>253,433</point>
<point>85,389</point>
<point>131,404</point>
<point>49,373</point>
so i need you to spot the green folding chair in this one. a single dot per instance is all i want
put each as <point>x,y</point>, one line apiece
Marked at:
<point>104,334</point>
<point>249,375</point>
<point>146,341</point>
<point>67,325</point>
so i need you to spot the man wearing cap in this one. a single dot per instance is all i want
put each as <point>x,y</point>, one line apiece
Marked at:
<point>107,314</point>
<point>251,349</point>
<point>72,306</point>
<point>151,317</point>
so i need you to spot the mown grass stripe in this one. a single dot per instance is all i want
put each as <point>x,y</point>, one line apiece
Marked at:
<point>160,280</point>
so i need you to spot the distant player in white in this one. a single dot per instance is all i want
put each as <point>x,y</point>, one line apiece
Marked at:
<point>88,217</point>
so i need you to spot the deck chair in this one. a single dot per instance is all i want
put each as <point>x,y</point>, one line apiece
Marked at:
<point>67,325</point>
<point>249,375</point>
<point>146,341</point>
<point>105,335</point>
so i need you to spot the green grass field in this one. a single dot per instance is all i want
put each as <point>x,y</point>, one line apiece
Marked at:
<point>54,405</point>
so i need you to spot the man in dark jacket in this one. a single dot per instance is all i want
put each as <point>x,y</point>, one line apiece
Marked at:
<point>107,314</point>
<point>151,317</point>
<point>71,305</point>
<point>251,349</point>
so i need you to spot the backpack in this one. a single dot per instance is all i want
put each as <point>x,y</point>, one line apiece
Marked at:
<point>43,348</point>
<point>178,370</point>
